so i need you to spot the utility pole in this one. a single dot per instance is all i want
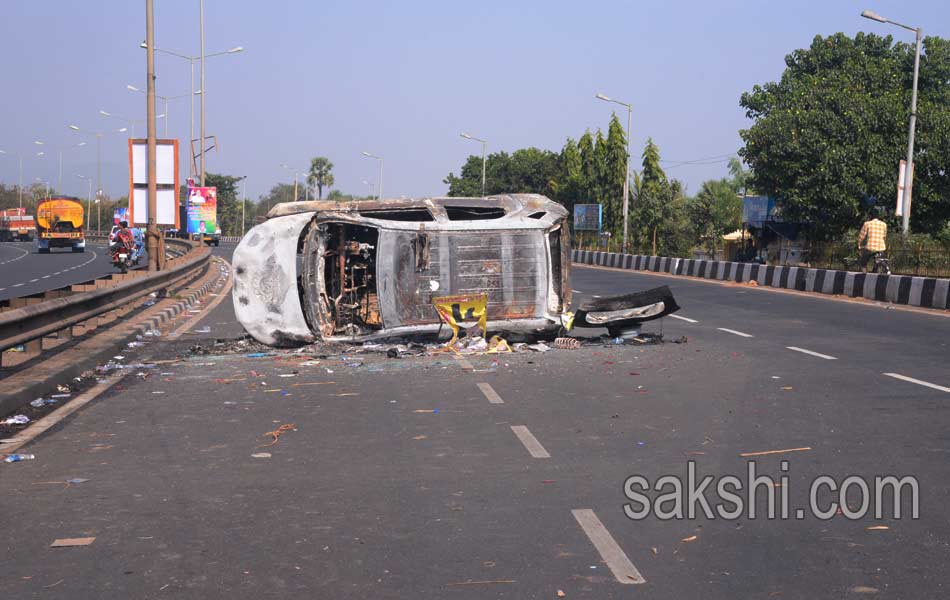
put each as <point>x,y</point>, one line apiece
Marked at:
<point>151,231</point>
<point>203,94</point>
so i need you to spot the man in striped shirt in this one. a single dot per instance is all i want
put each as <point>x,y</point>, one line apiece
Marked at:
<point>871,240</point>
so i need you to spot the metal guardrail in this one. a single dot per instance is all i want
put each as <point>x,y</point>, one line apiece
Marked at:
<point>32,322</point>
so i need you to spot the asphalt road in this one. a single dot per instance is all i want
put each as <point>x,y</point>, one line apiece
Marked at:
<point>418,478</point>
<point>23,271</point>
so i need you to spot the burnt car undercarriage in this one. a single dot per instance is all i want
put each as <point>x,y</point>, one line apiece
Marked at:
<point>358,271</point>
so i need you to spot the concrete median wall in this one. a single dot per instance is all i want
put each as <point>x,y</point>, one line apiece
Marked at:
<point>927,292</point>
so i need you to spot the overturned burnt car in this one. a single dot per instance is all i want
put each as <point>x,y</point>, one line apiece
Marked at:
<point>357,271</point>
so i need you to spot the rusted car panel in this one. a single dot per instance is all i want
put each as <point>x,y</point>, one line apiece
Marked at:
<point>365,270</point>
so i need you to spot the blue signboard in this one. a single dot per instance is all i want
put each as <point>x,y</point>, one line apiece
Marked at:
<point>756,210</point>
<point>587,217</point>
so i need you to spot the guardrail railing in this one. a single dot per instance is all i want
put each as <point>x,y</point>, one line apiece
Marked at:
<point>26,321</point>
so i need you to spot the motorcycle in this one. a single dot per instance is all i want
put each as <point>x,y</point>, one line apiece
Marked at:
<point>122,258</point>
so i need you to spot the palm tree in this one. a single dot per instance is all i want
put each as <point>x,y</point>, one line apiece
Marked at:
<point>320,175</point>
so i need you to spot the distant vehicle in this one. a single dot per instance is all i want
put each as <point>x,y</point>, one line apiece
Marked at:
<point>211,238</point>
<point>16,225</point>
<point>115,228</point>
<point>59,224</point>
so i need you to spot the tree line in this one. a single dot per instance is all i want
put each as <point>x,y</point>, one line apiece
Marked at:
<point>590,170</point>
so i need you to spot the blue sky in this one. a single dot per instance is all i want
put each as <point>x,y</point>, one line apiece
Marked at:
<point>402,79</point>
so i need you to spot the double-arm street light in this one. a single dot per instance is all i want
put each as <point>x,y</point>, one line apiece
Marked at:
<point>59,149</point>
<point>379,191</point>
<point>484,147</point>
<point>202,92</point>
<point>164,99</point>
<point>909,163</point>
<point>89,199</point>
<point>98,135</point>
<point>626,177</point>
<point>130,123</point>
<point>19,158</point>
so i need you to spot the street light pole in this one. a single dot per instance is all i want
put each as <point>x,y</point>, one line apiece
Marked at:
<point>484,148</point>
<point>379,189</point>
<point>243,203</point>
<point>88,193</point>
<point>201,19</point>
<point>912,125</point>
<point>151,235</point>
<point>626,177</point>
<point>98,135</point>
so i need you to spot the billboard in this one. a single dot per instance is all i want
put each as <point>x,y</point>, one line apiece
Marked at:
<point>202,210</point>
<point>120,214</point>
<point>587,217</point>
<point>756,210</point>
<point>166,175</point>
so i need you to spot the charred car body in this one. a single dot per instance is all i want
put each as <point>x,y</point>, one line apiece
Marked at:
<point>357,271</point>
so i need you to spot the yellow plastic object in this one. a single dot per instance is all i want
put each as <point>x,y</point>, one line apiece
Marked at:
<point>465,307</point>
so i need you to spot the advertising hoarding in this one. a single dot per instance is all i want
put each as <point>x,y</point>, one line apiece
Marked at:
<point>202,210</point>
<point>587,217</point>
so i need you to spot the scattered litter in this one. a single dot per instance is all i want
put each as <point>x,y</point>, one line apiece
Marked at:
<point>752,283</point>
<point>256,355</point>
<point>12,458</point>
<point>17,420</point>
<point>420,437</point>
<point>765,452</point>
<point>41,402</point>
<point>276,433</point>
<point>158,392</point>
<point>46,587</point>
<point>76,481</point>
<point>261,455</point>
<point>287,375</point>
<point>70,542</point>
<point>561,594</point>
<point>775,377</point>
<point>205,329</point>
<point>681,340</point>
<point>487,582</point>
<point>539,347</point>
<point>347,394</point>
<point>787,387</point>
<point>864,589</point>
<point>691,538</point>
<point>567,343</point>
<point>135,344</point>
<point>654,550</point>
<point>878,528</point>
<point>426,410</point>
<point>62,388</point>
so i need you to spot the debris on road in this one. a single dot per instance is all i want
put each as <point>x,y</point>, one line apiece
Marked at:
<point>691,538</point>
<point>41,402</point>
<point>17,420</point>
<point>766,452</point>
<point>261,455</point>
<point>12,458</point>
<point>71,542</point>
<point>484,582</point>
<point>567,343</point>
<point>878,528</point>
<point>277,433</point>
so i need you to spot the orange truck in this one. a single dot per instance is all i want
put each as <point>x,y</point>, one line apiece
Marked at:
<point>16,225</point>
<point>59,224</point>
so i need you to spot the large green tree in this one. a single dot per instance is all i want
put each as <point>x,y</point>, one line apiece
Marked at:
<point>612,175</point>
<point>320,175</point>
<point>832,131</point>
<point>715,211</point>
<point>528,170</point>
<point>229,207</point>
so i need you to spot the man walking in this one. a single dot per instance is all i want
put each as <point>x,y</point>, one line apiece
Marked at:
<point>871,240</point>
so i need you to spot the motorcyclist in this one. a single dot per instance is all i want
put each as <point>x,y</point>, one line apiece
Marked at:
<point>124,238</point>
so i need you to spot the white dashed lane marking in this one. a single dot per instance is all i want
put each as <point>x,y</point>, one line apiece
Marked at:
<point>531,443</point>
<point>811,353</point>
<point>609,550</point>
<point>684,319</point>
<point>734,332</point>
<point>490,393</point>
<point>918,382</point>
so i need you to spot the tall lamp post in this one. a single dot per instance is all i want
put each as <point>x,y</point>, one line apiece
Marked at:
<point>626,177</point>
<point>484,147</point>
<point>191,60</point>
<point>59,182</point>
<point>19,158</point>
<point>909,163</point>
<point>243,201</point>
<point>98,135</point>
<point>164,100</point>
<point>379,190</point>
<point>296,173</point>
<point>88,195</point>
